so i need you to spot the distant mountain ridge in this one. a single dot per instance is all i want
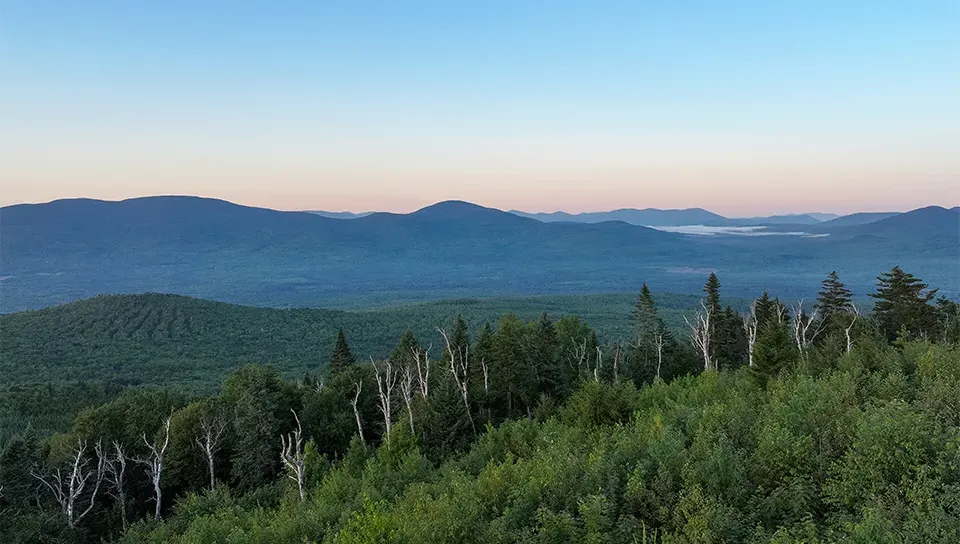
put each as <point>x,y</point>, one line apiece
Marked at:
<point>655,217</point>
<point>70,249</point>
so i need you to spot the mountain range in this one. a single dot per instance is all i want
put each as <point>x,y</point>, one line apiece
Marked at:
<point>654,217</point>
<point>71,249</point>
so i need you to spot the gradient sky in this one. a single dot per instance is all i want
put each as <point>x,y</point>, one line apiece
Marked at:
<point>744,108</point>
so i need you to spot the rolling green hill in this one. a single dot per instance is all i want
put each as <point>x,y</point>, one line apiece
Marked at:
<point>173,340</point>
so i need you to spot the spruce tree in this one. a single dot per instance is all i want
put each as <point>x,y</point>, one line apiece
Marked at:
<point>774,351</point>
<point>403,353</point>
<point>834,298</point>
<point>459,340</point>
<point>903,301</point>
<point>542,352</point>
<point>341,357</point>
<point>648,327</point>
<point>712,289</point>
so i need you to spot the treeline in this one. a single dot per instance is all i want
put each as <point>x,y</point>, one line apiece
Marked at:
<point>824,423</point>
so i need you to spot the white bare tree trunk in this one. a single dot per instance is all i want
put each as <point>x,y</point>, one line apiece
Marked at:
<point>356,412</point>
<point>422,358</point>
<point>700,335</point>
<point>386,380</point>
<point>291,454</point>
<point>116,468</point>
<point>750,326</point>
<point>210,439</point>
<point>68,488</point>
<point>598,365</point>
<point>460,368</point>
<point>154,464</point>
<point>406,390</point>
<point>804,331</point>
<point>658,342</point>
<point>856,316</point>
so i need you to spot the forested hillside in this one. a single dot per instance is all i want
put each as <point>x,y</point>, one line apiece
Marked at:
<point>192,344</point>
<point>780,423</point>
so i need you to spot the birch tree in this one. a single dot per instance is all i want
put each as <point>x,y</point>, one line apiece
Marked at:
<point>291,454</point>
<point>386,377</point>
<point>356,411</point>
<point>210,439</point>
<point>154,463</point>
<point>700,335</point>
<point>750,326</point>
<point>407,391</point>
<point>460,370</point>
<point>805,328</point>
<point>69,486</point>
<point>116,475</point>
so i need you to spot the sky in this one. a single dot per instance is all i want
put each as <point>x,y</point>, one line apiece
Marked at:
<point>744,108</point>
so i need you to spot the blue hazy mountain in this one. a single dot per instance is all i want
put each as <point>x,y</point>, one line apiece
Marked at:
<point>71,249</point>
<point>654,217</point>
<point>648,217</point>
<point>861,218</point>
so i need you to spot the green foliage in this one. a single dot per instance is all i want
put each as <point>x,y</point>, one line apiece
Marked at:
<point>341,357</point>
<point>857,446</point>
<point>774,352</point>
<point>903,301</point>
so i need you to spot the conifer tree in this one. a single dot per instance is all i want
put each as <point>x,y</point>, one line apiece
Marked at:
<point>341,357</point>
<point>712,290</point>
<point>542,352</point>
<point>834,298</point>
<point>649,330</point>
<point>459,340</point>
<point>403,353</point>
<point>903,301</point>
<point>775,350</point>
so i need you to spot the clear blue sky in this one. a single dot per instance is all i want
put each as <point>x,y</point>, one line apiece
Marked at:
<point>740,107</point>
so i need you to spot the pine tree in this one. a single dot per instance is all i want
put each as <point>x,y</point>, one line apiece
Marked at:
<point>341,357</point>
<point>459,340</point>
<point>648,329</point>
<point>542,352</point>
<point>403,353</point>
<point>903,301</point>
<point>712,289</point>
<point>775,350</point>
<point>834,298</point>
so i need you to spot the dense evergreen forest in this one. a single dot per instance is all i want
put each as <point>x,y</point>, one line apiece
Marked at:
<point>777,423</point>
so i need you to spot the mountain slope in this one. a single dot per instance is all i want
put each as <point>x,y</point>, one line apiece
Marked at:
<point>861,218</point>
<point>68,250</point>
<point>171,339</point>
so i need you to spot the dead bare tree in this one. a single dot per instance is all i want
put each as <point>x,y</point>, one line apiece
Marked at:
<point>802,325</point>
<point>154,463</point>
<point>700,335</point>
<point>460,368</point>
<point>856,316</point>
<point>68,488</point>
<point>406,391</point>
<point>598,365</point>
<point>210,439</point>
<point>579,355</point>
<point>386,378</point>
<point>356,412</point>
<point>291,454</point>
<point>116,469</point>
<point>616,363</point>
<point>750,326</point>
<point>658,343</point>
<point>422,358</point>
